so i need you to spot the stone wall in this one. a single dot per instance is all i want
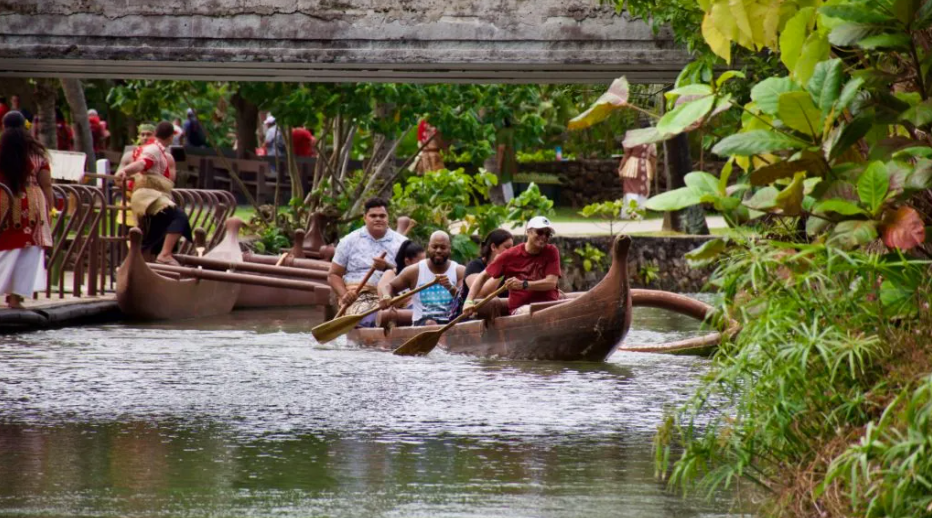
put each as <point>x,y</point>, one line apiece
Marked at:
<point>653,262</point>
<point>582,181</point>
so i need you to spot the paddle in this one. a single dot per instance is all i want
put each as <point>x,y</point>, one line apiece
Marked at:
<point>361,286</point>
<point>338,326</point>
<point>426,341</point>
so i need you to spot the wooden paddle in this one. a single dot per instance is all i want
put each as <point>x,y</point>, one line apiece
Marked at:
<point>361,286</point>
<point>425,342</point>
<point>338,326</point>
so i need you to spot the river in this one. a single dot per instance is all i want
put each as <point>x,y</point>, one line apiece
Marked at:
<point>244,415</point>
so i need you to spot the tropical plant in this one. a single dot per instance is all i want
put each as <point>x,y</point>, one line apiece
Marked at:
<point>528,204</point>
<point>590,256</point>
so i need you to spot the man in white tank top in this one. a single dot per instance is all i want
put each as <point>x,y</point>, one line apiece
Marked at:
<point>433,305</point>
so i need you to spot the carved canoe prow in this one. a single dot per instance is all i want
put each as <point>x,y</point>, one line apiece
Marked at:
<point>146,295</point>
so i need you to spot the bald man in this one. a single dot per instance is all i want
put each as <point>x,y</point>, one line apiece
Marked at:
<point>436,304</point>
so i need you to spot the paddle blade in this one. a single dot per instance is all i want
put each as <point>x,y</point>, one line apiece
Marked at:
<point>419,345</point>
<point>336,327</point>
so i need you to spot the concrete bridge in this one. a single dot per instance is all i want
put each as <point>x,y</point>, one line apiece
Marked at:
<point>506,41</point>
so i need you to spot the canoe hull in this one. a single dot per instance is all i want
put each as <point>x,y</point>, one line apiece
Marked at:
<point>586,328</point>
<point>251,296</point>
<point>143,294</point>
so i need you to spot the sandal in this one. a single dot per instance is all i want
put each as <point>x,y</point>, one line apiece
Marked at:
<point>170,262</point>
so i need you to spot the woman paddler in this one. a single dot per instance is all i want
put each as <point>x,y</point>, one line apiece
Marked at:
<point>153,175</point>
<point>25,233</point>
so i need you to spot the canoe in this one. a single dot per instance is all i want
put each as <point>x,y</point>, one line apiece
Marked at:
<point>146,295</point>
<point>586,328</point>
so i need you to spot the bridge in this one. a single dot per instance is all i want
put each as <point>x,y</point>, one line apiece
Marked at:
<point>475,41</point>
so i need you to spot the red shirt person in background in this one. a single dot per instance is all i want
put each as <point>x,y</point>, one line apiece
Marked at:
<point>63,132</point>
<point>302,142</point>
<point>4,109</point>
<point>531,270</point>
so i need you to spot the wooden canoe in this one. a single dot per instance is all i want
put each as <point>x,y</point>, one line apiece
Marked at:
<point>146,295</point>
<point>587,328</point>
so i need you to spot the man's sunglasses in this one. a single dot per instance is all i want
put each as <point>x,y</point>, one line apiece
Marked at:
<point>543,233</point>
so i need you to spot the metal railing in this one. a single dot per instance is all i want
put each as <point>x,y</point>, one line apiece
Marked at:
<point>89,236</point>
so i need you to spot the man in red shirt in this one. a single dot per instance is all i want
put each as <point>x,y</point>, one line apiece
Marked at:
<point>302,141</point>
<point>531,270</point>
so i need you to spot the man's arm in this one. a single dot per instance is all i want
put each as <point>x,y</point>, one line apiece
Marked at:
<point>335,280</point>
<point>404,280</point>
<point>135,167</point>
<point>476,285</point>
<point>548,283</point>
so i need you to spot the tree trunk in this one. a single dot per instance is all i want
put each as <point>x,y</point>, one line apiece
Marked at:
<point>247,122</point>
<point>690,220</point>
<point>46,92</point>
<point>84,142</point>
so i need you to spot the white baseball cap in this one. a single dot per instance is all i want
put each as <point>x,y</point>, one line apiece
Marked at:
<point>540,222</point>
<point>270,119</point>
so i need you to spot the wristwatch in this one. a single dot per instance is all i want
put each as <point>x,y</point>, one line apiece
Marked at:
<point>524,284</point>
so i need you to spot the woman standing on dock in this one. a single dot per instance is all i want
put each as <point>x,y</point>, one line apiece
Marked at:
<point>25,233</point>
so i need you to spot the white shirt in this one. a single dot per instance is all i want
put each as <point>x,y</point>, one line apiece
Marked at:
<point>356,250</point>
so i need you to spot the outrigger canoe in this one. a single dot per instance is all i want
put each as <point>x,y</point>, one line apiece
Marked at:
<point>589,327</point>
<point>146,295</point>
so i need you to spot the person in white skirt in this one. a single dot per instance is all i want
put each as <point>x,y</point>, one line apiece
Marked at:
<point>25,232</point>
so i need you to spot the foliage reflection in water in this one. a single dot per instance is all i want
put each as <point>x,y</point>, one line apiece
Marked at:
<point>241,415</point>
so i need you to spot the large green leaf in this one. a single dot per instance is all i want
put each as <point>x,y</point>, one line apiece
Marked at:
<point>848,34</point>
<point>782,169</point>
<point>767,93</point>
<point>793,36</point>
<point>703,255</point>
<point>905,10</point>
<point>694,89</point>
<point>856,13</point>
<point>848,93</point>
<point>764,199</point>
<point>797,111</point>
<point>921,177</point>
<point>615,98</point>
<point>674,200</point>
<point>851,133</point>
<point>873,185</point>
<point>755,143</point>
<point>918,115</point>
<point>790,199</point>
<point>825,84</point>
<point>887,41</point>
<point>684,115</point>
<point>727,76</point>
<point>638,137</point>
<point>853,233</point>
<point>843,207</point>
<point>815,49</point>
<point>703,183</point>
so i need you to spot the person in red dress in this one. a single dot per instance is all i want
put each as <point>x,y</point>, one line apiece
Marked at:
<point>531,271</point>
<point>63,131</point>
<point>302,142</point>
<point>25,232</point>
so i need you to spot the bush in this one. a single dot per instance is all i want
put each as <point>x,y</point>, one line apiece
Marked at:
<point>810,372</point>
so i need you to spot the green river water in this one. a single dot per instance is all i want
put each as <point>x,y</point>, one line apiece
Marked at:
<point>244,415</point>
